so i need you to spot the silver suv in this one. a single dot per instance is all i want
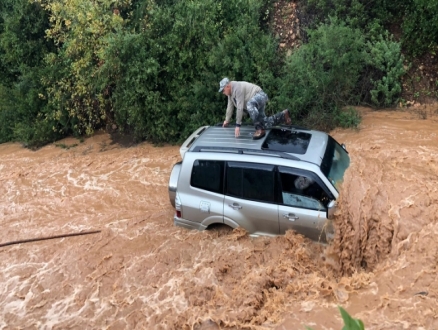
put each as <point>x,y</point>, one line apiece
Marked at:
<point>287,180</point>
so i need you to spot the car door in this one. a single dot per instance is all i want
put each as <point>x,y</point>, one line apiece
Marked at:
<point>303,203</point>
<point>203,200</point>
<point>250,197</point>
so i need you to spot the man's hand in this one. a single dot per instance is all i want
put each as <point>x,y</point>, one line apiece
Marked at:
<point>225,124</point>
<point>237,131</point>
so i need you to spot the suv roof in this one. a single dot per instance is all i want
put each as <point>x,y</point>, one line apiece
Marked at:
<point>287,142</point>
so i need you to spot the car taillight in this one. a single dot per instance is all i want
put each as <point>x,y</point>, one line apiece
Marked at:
<point>177,206</point>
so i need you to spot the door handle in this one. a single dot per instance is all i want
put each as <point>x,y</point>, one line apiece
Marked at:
<point>235,206</point>
<point>290,216</point>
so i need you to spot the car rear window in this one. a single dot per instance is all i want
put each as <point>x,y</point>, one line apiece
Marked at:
<point>208,175</point>
<point>287,141</point>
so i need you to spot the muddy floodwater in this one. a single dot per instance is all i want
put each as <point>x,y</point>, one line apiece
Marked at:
<point>141,272</point>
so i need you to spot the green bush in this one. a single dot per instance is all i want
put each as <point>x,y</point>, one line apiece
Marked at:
<point>348,117</point>
<point>387,62</point>
<point>153,68</point>
<point>36,133</point>
<point>7,114</point>
<point>320,76</point>
<point>22,51</point>
<point>165,73</point>
<point>338,67</point>
<point>22,117</point>
<point>81,29</point>
<point>417,17</point>
<point>352,12</point>
<point>355,13</point>
<point>420,27</point>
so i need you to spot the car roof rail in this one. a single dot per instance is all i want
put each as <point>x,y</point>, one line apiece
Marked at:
<point>233,124</point>
<point>269,153</point>
<point>281,126</point>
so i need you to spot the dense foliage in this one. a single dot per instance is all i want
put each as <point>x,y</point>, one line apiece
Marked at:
<point>151,68</point>
<point>82,29</point>
<point>165,72</point>
<point>421,27</point>
<point>417,18</point>
<point>22,50</point>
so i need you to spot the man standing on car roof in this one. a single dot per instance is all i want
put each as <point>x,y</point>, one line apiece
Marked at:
<point>246,96</point>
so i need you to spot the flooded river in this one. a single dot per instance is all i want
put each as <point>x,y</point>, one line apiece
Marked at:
<point>141,272</point>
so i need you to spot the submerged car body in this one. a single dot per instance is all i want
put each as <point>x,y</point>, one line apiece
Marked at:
<point>289,179</point>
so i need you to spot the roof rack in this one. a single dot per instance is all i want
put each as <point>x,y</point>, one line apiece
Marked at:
<point>234,124</point>
<point>282,126</point>
<point>245,151</point>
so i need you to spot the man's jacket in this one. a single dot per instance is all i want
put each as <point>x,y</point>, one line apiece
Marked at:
<point>241,93</point>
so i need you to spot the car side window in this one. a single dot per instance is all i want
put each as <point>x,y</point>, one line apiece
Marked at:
<point>301,190</point>
<point>251,181</point>
<point>208,175</point>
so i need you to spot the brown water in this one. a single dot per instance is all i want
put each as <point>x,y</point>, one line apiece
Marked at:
<point>141,272</point>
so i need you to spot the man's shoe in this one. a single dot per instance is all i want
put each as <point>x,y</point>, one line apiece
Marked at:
<point>287,119</point>
<point>259,134</point>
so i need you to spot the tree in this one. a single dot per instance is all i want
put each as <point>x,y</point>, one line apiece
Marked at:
<point>81,29</point>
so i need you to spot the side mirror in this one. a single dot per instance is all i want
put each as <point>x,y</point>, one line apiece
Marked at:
<point>331,208</point>
<point>344,146</point>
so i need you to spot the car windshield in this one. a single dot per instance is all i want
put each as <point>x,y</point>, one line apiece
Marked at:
<point>335,162</point>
